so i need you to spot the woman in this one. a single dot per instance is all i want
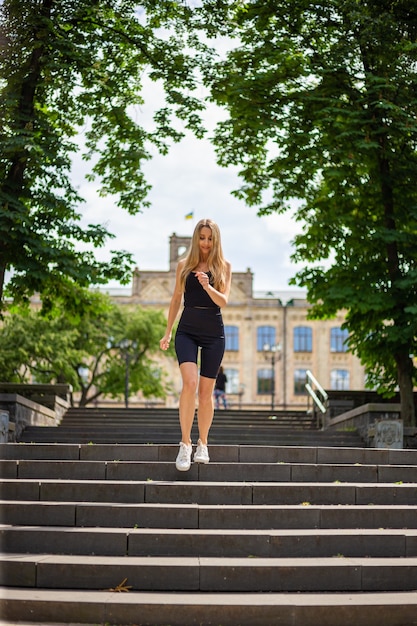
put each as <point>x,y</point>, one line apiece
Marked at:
<point>203,278</point>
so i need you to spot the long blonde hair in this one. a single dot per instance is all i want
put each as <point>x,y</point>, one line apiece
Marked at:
<point>216,261</point>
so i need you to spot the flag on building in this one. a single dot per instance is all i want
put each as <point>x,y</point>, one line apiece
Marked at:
<point>189,216</point>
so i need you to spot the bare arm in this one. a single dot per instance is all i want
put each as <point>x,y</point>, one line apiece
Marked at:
<point>219,297</point>
<point>173,309</point>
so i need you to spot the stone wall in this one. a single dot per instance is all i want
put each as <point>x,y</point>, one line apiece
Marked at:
<point>379,425</point>
<point>24,411</point>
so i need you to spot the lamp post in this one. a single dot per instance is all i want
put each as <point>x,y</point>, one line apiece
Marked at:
<point>272,354</point>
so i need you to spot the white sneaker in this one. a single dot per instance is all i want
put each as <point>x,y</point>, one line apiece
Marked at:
<point>183,462</point>
<point>201,455</point>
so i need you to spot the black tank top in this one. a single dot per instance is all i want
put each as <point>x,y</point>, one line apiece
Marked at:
<point>194,295</point>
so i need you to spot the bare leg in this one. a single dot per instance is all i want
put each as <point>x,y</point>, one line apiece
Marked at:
<point>205,407</point>
<point>189,376</point>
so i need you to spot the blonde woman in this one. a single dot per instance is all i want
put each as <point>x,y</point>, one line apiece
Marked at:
<point>203,279</point>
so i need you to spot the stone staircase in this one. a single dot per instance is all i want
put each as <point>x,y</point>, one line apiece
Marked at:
<point>161,426</point>
<point>113,534</point>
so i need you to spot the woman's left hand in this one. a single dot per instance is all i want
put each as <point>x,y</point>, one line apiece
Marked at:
<point>203,279</point>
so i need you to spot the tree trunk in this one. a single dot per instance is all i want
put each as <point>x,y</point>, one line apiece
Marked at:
<point>405,383</point>
<point>2,277</point>
<point>13,184</point>
<point>404,363</point>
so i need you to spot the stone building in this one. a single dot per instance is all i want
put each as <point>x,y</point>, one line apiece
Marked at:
<point>270,343</point>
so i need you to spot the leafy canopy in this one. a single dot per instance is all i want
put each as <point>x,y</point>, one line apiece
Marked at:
<point>321,99</point>
<point>71,79</point>
<point>87,351</point>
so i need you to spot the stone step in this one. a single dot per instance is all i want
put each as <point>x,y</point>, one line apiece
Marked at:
<point>161,426</point>
<point>268,543</point>
<point>226,428</point>
<point>291,528</point>
<point>207,516</point>
<point>209,574</point>
<point>150,418</point>
<point>172,413</point>
<point>196,492</point>
<point>117,470</point>
<point>143,412</point>
<point>155,432</point>
<point>234,425</point>
<point>44,434</point>
<point>307,442</point>
<point>221,421</point>
<point>228,609</point>
<point>218,453</point>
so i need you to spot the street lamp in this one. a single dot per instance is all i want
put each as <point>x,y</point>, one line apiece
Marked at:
<point>272,354</point>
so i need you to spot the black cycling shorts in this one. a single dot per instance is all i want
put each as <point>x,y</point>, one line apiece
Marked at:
<point>201,328</point>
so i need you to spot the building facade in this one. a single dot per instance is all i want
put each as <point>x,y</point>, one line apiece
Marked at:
<point>270,342</point>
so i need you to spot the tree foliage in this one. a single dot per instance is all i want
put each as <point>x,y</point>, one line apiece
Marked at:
<point>71,68</point>
<point>87,351</point>
<point>322,100</point>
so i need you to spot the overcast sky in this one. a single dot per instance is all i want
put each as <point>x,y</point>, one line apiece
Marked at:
<point>189,180</point>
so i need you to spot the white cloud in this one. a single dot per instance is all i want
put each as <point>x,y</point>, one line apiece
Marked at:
<point>189,179</point>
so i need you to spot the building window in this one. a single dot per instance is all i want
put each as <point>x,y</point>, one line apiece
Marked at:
<point>266,336</point>
<point>232,375</point>
<point>339,379</point>
<point>231,334</point>
<point>265,381</point>
<point>338,339</point>
<point>303,339</point>
<point>300,379</point>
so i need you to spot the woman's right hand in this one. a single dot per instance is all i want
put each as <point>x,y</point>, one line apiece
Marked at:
<point>165,341</point>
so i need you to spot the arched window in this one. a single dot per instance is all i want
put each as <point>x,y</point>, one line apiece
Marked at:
<point>303,339</point>
<point>231,334</point>
<point>340,379</point>
<point>265,336</point>
<point>338,339</point>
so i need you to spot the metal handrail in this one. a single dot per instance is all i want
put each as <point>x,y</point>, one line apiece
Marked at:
<point>321,403</point>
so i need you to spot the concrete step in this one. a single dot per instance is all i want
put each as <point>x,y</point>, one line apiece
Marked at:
<point>200,492</point>
<point>150,418</point>
<point>220,420</point>
<point>172,413</point>
<point>290,528</point>
<point>161,426</point>
<point>194,609</point>
<point>43,434</point>
<point>268,543</point>
<point>117,470</point>
<point>207,516</point>
<point>226,430</point>
<point>209,574</point>
<point>218,453</point>
<point>75,422</point>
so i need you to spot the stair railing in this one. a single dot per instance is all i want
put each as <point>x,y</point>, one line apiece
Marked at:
<point>318,395</point>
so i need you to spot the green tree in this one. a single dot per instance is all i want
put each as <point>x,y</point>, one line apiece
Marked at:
<point>87,351</point>
<point>78,67</point>
<point>136,337</point>
<point>322,100</point>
